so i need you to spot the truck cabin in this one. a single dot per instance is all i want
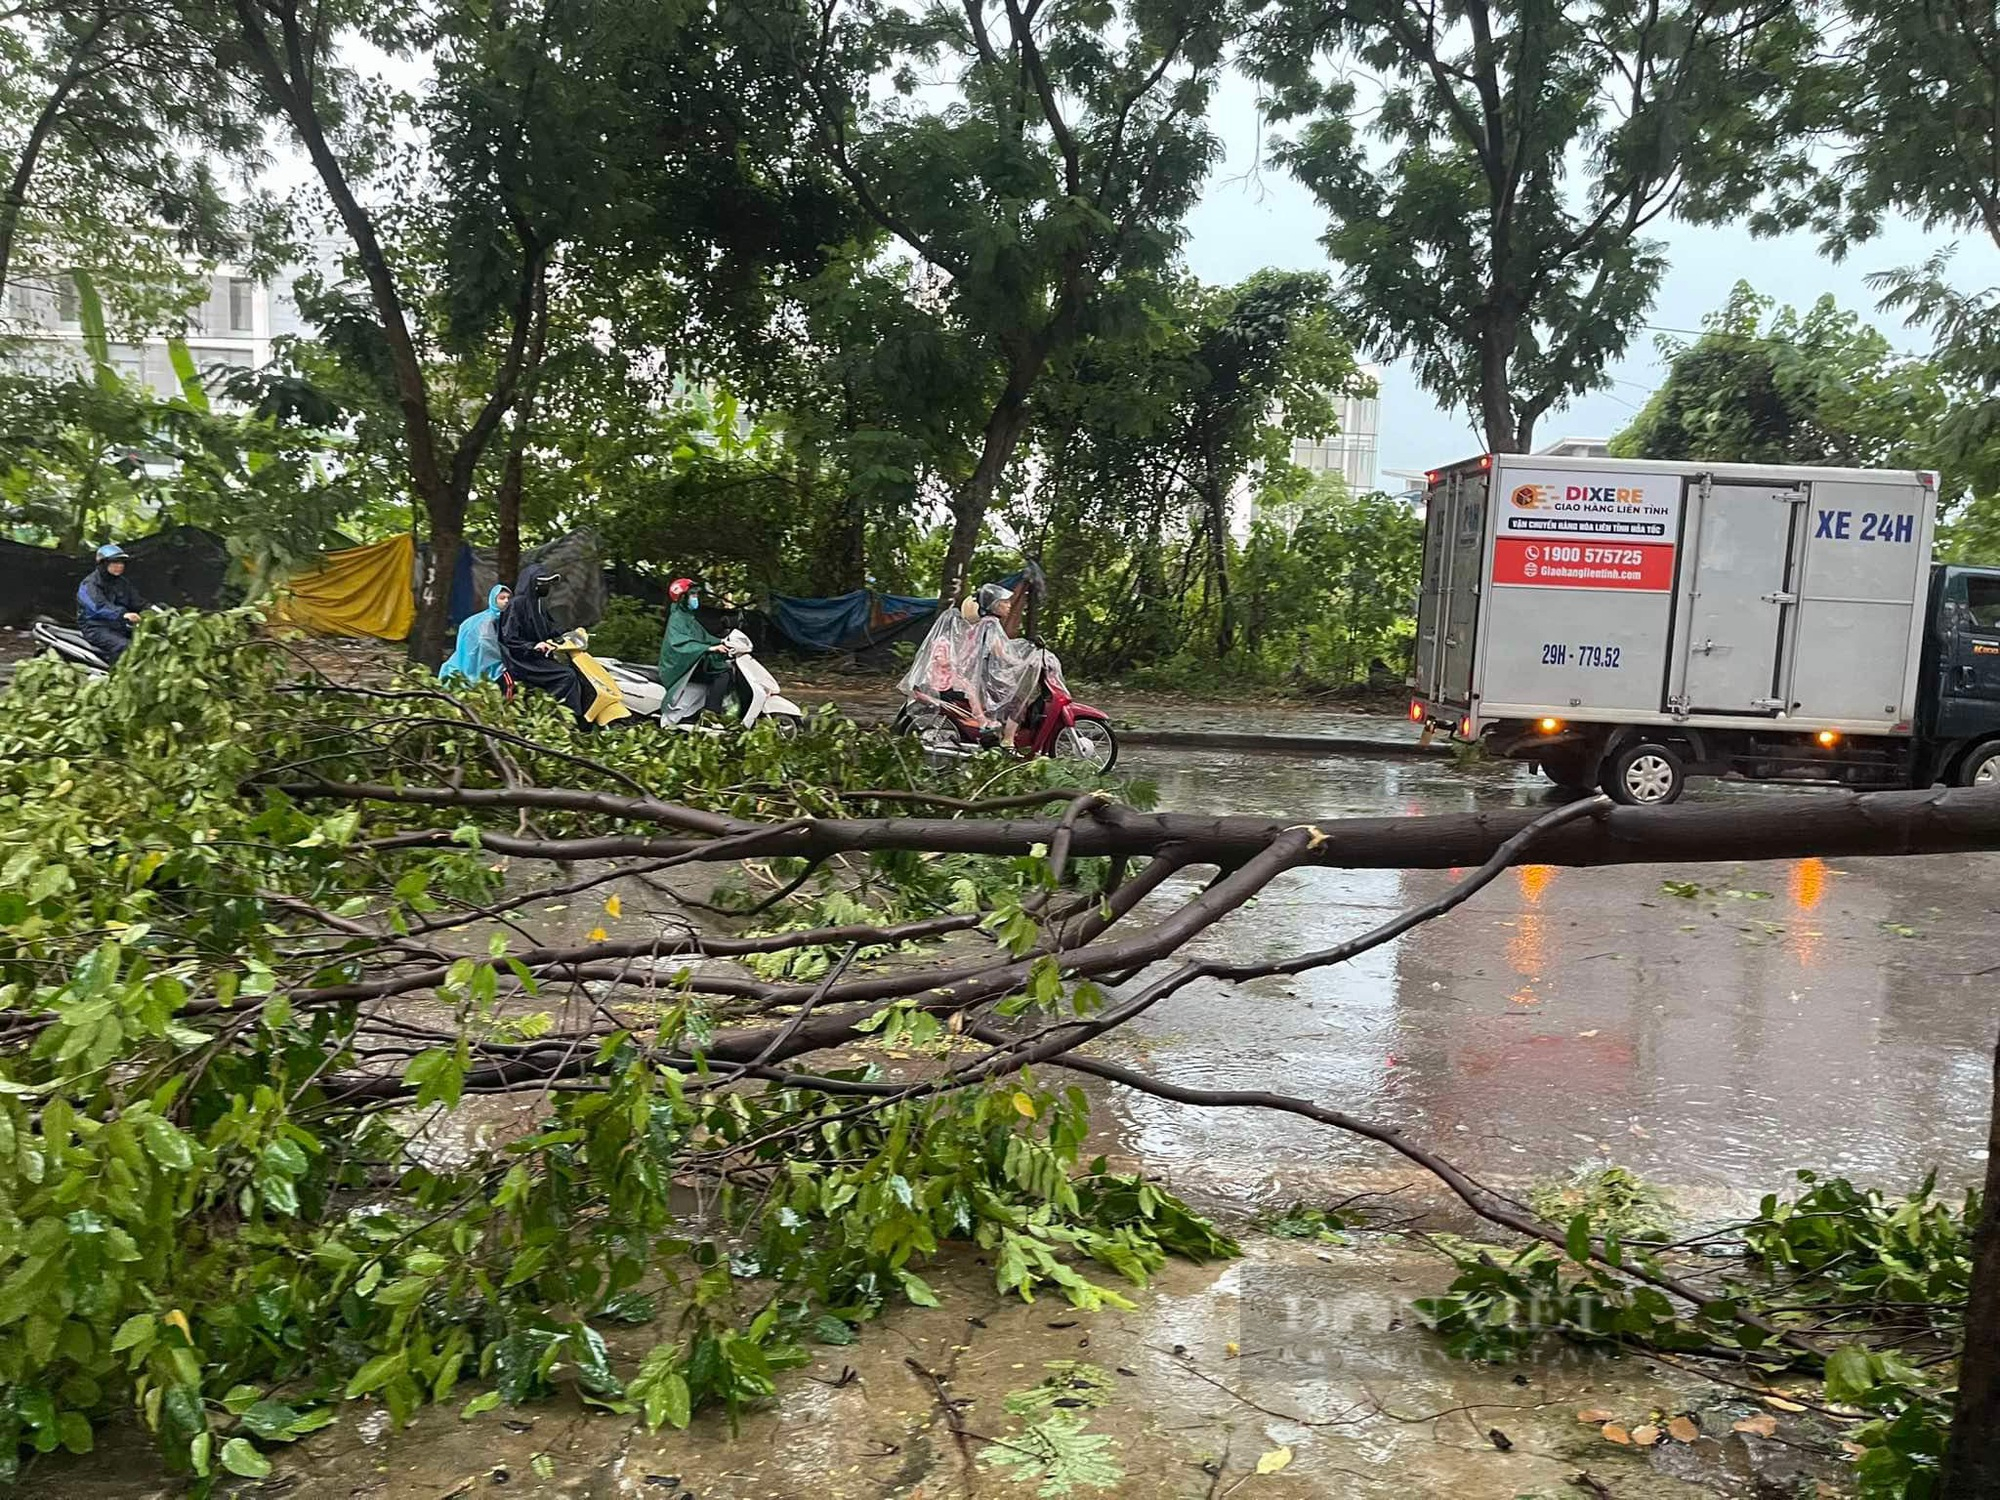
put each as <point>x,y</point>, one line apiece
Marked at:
<point>1963,711</point>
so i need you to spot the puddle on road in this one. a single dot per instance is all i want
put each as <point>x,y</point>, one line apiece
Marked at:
<point>1773,1017</point>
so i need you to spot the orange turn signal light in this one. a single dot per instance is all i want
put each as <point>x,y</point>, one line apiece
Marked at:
<point>1551,726</point>
<point>1828,738</point>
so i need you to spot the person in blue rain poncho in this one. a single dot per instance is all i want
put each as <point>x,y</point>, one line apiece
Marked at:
<point>478,655</point>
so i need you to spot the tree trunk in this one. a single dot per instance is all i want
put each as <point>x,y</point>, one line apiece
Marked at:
<point>1217,505</point>
<point>16,202</point>
<point>507,550</point>
<point>968,508</point>
<point>1972,1453</point>
<point>1496,401</point>
<point>287,79</point>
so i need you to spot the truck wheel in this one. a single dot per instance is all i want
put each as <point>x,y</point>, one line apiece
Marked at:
<point>1645,775</point>
<point>1571,773</point>
<point>1981,766</point>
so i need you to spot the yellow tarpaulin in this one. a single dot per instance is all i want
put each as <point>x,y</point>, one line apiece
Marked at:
<point>362,591</point>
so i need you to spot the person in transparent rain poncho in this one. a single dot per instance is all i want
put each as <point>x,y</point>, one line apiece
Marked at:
<point>969,659</point>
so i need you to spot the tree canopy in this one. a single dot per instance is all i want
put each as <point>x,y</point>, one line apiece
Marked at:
<point>1489,172</point>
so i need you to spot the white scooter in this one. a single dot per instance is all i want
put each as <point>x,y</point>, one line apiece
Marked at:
<point>67,643</point>
<point>751,684</point>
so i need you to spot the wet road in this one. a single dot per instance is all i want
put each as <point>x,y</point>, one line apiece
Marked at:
<point>1714,1027</point>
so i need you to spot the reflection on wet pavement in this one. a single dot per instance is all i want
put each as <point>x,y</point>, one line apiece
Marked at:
<point>1713,1026</point>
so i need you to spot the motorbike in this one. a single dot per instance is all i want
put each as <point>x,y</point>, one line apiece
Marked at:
<point>67,643</point>
<point>751,687</point>
<point>1053,723</point>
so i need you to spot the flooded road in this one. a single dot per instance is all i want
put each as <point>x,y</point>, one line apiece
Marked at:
<point>1714,1027</point>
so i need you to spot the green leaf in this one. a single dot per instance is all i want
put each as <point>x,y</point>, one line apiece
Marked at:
<point>138,1329</point>
<point>1577,1242</point>
<point>239,1457</point>
<point>182,359</point>
<point>166,1145</point>
<point>1850,1373</point>
<point>485,1401</point>
<point>378,1372</point>
<point>667,1402</point>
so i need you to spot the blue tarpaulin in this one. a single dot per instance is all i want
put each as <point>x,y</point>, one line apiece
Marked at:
<point>848,622</point>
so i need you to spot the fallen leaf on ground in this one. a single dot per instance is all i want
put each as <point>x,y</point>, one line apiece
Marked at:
<point>613,907</point>
<point>1231,1349</point>
<point>1779,1403</point>
<point>1613,1433</point>
<point>1273,1461</point>
<point>1591,1032</point>
<point>1853,1450</point>
<point>1595,1416</point>
<point>598,934</point>
<point>1682,1430</point>
<point>1646,1436</point>
<point>1763,1424</point>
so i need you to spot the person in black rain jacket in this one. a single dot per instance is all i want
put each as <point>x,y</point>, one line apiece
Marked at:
<point>107,605</point>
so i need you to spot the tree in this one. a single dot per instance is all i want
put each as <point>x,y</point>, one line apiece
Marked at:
<point>1911,107</point>
<point>1056,164</point>
<point>1331,581</point>
<point>113,122</point>
<point>613,141</point>
<point>1269,342</point>
<point>1765,384</point>
<point>1489,196</point>
<point>1145,438</point>
<point>1914,99</point>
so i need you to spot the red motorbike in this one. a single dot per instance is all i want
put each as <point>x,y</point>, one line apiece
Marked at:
<point>1052,723</point>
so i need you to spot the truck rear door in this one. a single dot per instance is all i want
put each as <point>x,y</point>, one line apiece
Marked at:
<point>1736,602</point>
<point>1454,561</point>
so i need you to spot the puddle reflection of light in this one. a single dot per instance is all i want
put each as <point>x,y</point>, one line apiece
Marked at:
<point>1533,880</point>
<point>1808,883</point>
<point>1807,890</point>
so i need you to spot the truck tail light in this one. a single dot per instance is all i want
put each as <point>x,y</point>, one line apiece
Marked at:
<point>1416,711</point>
<point>1485,460</point>
<point>1465,727</point>
<point>1828,738</point>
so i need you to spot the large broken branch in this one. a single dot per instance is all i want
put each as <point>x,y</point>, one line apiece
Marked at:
<point>1833,824</point>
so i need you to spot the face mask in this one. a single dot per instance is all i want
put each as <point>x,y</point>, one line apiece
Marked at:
<point>693,602</point>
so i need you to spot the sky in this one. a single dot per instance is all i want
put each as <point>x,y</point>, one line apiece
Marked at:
<point>1251,217</point>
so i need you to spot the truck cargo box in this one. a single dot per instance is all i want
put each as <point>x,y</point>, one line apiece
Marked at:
<point>1638,591</point>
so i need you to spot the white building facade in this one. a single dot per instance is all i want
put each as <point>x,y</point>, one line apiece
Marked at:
<point>1349,452</point>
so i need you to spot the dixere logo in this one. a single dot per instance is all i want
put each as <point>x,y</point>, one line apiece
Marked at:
<point>1604,494</point>
<point>1541,496</point>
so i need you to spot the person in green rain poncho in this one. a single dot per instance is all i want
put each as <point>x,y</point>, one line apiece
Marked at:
<point>687,651</point>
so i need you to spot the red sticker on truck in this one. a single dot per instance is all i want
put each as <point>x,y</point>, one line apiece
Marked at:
<point>1578,563</point>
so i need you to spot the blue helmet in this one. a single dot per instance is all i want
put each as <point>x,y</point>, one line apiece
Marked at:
<point>110,552</point>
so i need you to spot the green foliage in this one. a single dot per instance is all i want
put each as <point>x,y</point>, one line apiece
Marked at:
<point>1069,1385</point>
<point>1488,174</point>
<point>1882,1279</point>
<point>1059,1455</point>
<point>1614,1199</point>
<point>1765,386</point>
<point>629,631</point>
<point>1302,1221</point>
<point>197,1228</point>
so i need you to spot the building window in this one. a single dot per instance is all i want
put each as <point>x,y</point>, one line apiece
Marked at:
<point>240,294</point>
<point>69,301</point>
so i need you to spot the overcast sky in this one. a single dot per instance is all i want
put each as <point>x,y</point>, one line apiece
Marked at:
<point>1245,224</point>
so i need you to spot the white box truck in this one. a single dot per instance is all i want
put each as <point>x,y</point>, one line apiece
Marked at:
<point>1629,623</point>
